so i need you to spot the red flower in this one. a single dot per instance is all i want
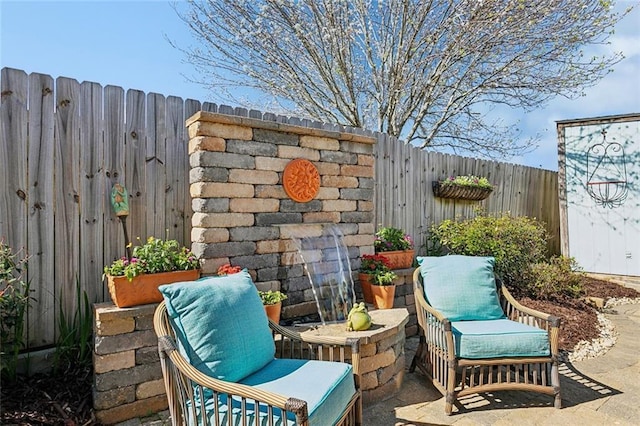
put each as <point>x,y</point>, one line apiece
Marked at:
<point>227,269</point>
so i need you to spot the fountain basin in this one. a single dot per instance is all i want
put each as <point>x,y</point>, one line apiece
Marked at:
<point>380,362</point>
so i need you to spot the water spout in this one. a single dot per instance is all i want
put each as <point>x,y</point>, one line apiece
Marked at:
<point>326,262</point>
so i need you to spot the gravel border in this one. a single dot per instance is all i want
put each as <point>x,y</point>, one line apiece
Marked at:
<point>608,335</point>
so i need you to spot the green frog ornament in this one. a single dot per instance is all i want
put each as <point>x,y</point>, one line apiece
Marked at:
<point>358,319</point>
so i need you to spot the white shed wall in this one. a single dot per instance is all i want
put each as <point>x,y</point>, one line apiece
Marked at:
<point>603,239</point>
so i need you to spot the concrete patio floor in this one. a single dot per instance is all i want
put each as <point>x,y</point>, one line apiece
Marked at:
<point>599,391</point>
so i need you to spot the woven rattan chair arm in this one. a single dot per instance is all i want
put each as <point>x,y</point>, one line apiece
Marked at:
<point>167,345</point>
<point>553,321</point>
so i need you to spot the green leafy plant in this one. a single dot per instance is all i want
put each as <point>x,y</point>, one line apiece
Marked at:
<point>73,345</point>
<point>560,276</point>
<point>515,242</point>
<point>154,256</point>
<point>14,303</point>
<point>392,239</point>
<point>377,266</point>
<point>469,181</point>
<point>271,297</point>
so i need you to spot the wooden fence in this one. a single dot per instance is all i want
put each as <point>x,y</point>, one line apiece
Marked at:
<point>63,144</point>
<point>404,196</point>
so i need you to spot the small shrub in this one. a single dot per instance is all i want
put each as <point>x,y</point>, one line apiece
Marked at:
<point>515,242</point>
<point>14,302</point>
<point>560,276</point>
<point>73,345</point>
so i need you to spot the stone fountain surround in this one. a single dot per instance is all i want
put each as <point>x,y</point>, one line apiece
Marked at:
<point>242,214</point>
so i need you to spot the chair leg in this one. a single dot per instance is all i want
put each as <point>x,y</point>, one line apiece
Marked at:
<point>450,397</point>
<point>448,404</point>
<point>555,382</point>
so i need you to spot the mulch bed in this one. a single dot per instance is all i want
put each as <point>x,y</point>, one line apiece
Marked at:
<point>49,399</point>
<point>65,398</point>
<point>579,319</point>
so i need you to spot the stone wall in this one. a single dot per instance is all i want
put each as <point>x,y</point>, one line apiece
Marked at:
<point>404,299</point>
<point>382,357</point>
<point>127,376</point>
<point>242,214</point>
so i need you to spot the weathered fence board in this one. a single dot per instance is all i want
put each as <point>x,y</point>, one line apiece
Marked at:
<point>64,145</point>
<point>40,237</point>
<point>93,191</point>
<point>13,157</point>
<point>136,141</point>
<point>155,180</point>
<point>67,192</point>
<point>114,158</point>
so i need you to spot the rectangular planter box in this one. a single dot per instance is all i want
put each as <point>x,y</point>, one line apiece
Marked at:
<point>143,289</point>
<point>399,259</point>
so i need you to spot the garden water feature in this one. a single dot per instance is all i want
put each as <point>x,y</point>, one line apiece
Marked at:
<point>326,262</point>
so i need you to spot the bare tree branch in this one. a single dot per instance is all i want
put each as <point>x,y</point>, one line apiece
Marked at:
<point>426,71</point>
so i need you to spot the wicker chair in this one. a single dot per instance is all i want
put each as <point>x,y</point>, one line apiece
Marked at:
<point>196,398</point>
<point>438,354</point>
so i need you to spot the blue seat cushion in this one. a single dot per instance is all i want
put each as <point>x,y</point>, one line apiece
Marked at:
<point>498,338</point>
<point>327,387</point>
<point>220,325</point>
<point>462,288</point>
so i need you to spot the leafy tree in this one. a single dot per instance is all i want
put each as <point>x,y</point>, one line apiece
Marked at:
<point>426,71</point>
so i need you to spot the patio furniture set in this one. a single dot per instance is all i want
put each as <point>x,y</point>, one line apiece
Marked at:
<point>225,363</point>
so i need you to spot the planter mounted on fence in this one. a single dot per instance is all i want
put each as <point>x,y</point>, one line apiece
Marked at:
<point>460,192</point>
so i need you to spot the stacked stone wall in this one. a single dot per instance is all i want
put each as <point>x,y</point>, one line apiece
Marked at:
<point>242,214</point>
<point>404,298</point>
<point>127,376</point>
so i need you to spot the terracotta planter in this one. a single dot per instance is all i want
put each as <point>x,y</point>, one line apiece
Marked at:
<point>399,259</point>
<point>365,284</point>
<point>460,192</point>
<point>143,289</point>
<point>273,312</point>
<point>383,296</point>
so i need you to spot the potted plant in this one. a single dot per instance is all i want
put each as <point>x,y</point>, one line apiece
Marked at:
<point>463,187</point>
<point>396,245</point>
<point>135,281</point>
<point>376,280</point>
<point>272,301</point>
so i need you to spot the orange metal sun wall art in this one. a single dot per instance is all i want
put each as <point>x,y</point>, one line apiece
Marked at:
<point>301,180</point>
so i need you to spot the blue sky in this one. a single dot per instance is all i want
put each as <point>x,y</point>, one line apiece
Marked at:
<point>123,43</point>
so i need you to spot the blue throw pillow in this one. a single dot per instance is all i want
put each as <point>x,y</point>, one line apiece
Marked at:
<point>461,287</point>
<point>221,325</point>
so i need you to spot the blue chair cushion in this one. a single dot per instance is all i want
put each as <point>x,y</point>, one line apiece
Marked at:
<point>327,387</point>
<point>462,288</point>
<point>498,338</point>
<point>220,325</point>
